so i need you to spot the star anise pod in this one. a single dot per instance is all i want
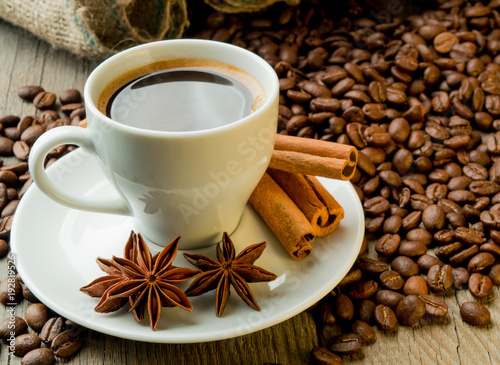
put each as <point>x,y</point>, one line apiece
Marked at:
<point>229,270</point>
<point>144,280</point>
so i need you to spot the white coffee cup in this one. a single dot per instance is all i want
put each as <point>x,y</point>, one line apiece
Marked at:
<point>198,182</point>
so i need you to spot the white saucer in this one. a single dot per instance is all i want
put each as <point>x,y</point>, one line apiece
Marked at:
<point>56,248</point>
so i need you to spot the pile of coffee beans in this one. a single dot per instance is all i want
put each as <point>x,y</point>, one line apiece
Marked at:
<point>420,98</point>
<point>51,336</point>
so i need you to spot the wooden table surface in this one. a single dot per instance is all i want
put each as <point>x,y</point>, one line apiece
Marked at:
<point>26,60</point>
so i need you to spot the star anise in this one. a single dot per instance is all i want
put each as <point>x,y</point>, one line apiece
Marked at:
<point>229,271</point>
<point>144,280</point>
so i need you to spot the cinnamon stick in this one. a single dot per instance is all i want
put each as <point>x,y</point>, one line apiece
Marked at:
<point>318,205</point>
<point>314,157</point>
<point>283,217</point>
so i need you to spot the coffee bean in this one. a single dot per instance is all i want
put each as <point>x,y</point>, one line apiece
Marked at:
<point>480,285</point>
<point>345,344</point>
<point>36,316</point>
<point>389,298</point>
<point>29,92</point>
<point>44,100</point>
<point>371,266</point>
<point>434,307</point>
<point>385,318</point>
<point>405,266</point>
<point>470,236</point>
<point>25,343</point>
<point>40,356</point>
<point>70,96</point>
<point>343,307</point>
<point>365,310</point>
<point>11,291</point>
<point>410,310</point>
<point>391,280</point>
<point>363,330</point>
<point>66,344</point>
<point>415,285</point>
<point>440,278</point>
<point>464,255</point>
<point>15,324</point>
<point>494,274</point>
<point>412,248</point>
<point>51,329</point>
<point>363,290</point>
<point>425,262</point>
<point>326,313</point>
<point>322,356</point>
<point>475,313</point>
<point>353,276</point>
<point>480,261</point>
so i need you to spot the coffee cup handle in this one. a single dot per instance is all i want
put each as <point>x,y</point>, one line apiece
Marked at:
<point>54,138</point>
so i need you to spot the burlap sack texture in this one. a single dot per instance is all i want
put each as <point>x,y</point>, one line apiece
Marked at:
<point>99,28</point>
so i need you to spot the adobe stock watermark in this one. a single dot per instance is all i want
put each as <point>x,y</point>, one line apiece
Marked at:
<point>10,335</point>
<point>219,180</point>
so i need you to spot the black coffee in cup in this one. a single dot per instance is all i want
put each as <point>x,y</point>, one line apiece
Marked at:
<point>182,95</point>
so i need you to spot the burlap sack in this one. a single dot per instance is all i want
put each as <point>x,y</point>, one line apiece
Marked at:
<point>98,28</point>
<point>240,6</point>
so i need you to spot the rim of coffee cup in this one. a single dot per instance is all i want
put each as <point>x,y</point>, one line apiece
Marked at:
<point>91,95</point>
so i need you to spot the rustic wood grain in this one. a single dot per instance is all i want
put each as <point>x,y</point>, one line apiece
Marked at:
<point>26,60</point>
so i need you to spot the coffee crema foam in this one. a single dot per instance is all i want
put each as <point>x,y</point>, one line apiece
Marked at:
<point>181,95</point>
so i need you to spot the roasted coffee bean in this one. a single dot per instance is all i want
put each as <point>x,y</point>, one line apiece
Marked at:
<point>15,325</point>
<point>40,356</point>
<point>410,310</point>
<point>345,344</point>
<point>371,266</point>
<point>25,343</point>
<point>391,280</point>
<point>385,318</point>
<point>460,277</point>
<point>440,278</point>
<point>326,313</point>
<point>66,344</point>
<point>480,285</point>
<point>44,100</point>
<point>425,262</point>
<point>480,261</point>
<point>464,255</point>
<point>343,307</point>
<point>11,291</point>
<point>323,356</point>
<point>363,330</point>
<point>4,248</point>
<point>412,220</point>
<point>415,285</point>
<point>421,235</point>
<point>412,248</point>
<point>392,224</point>
<point>29,92</point>
<point>36,316</point>
<point>51,329</point>
<point>433,217</point>
<point>353,276</point>
<point>494,274</point>
<point>70,96</point>
<point>365,310</point>
<point>389,298</point>
<point>475,313</point>
<point>405,266</point>
<point>470,236</point>
<point>363,290</point>
<point>434,307</point>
